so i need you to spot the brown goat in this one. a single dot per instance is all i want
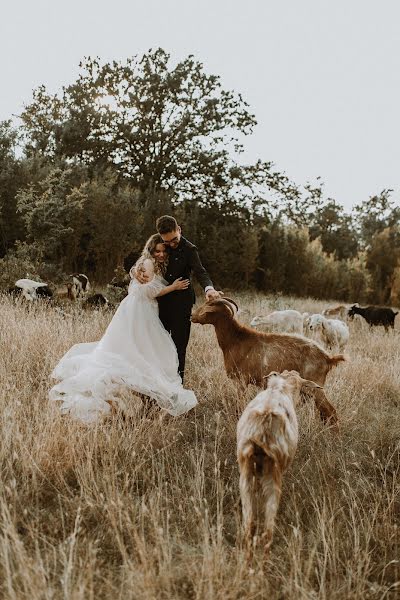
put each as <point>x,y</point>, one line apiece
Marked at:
<point>339,312</point>
<point>250,354</point>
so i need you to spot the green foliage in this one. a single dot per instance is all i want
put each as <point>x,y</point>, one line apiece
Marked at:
<point>395,287</point>
<point>84,224</point>
<point>335,229</point>
<point>383,257</point>
<point>357,278</point>
<point>162,126</point>
<point>12,177</point>
<point>375,215</point>
<point>53,213</point>
<point>166,128</point>
<point>131,140</point>
<point>290,262</point>
<point>114,226</point>
<point>23,261</point>
<point>226,240</point>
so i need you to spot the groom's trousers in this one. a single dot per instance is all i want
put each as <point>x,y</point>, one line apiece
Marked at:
<point>175,308</point>
<point>178,324</point>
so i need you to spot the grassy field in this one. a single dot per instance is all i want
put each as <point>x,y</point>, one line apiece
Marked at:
<point>148,508</point>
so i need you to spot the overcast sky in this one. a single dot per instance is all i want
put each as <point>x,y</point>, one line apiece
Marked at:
<point>321,76</point>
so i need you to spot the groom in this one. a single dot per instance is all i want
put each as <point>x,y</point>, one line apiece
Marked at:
<point>175,308</point>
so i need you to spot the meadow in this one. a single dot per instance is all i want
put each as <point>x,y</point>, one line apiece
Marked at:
<point>148,507</point>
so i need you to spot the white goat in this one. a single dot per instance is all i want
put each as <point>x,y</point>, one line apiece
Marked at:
<point>32,290</point>
<point>330,333</point>
<point>267,436</point>
<point>287,321</point>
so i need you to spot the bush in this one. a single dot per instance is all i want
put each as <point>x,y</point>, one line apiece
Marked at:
<point>20,262</point>
<point>290,263</point>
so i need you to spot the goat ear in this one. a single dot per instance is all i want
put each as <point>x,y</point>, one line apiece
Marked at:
<point>266,378</point>
<point>307,384</point>
<point>210,306</point>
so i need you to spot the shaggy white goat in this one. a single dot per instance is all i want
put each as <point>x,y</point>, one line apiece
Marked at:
<point>288,321</point>
<point>267,436</point>
<point>330,333</point>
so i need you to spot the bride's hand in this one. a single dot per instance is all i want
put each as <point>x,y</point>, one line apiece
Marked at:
<point>180,284</point>
<point>141,276</point>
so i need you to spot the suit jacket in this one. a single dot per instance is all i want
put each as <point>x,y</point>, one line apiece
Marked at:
<point>183,261</point>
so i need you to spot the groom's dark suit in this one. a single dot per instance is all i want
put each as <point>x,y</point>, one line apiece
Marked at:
<point>175,308</point>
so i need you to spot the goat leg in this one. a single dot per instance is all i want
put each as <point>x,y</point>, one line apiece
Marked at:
<point>249,503</point>
<point>266,542</point>
<point>250,540</point>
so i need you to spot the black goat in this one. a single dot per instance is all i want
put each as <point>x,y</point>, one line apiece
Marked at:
<point>96,301</point>
<point>44,292</point>
<point>375,315</point>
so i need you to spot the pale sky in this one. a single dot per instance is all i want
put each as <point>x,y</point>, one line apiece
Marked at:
<point>321,76</point>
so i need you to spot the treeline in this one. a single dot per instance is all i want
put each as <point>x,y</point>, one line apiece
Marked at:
<point>87,171</point>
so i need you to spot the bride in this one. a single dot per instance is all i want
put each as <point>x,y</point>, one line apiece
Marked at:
<point>136,352</point>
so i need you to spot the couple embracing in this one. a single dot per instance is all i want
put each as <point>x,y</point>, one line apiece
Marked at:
<point>144,346</point>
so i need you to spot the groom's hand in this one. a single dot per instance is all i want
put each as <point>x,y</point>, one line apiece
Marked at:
<point>212,294</point>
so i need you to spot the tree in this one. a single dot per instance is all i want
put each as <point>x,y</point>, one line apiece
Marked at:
<point>383,257</point>
<point>272,257</point>
<point>301,204</point>
<point>375,214</point>
<point>52,211</point>
<point>226,239</point>
<point>115,226</point>
<point>11,178</point>
<point>162,127</point>
<point>334,227</point>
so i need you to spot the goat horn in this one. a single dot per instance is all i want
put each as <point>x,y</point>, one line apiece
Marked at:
<point>229,304</point>
<point>231,301</point>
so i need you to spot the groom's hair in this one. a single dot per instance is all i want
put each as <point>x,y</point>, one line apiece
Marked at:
<point>166,224</point>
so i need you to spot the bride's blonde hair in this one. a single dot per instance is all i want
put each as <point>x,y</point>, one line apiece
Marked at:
<point>147,253</point>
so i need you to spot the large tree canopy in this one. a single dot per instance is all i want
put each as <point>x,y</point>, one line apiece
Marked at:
<point>164,127</point>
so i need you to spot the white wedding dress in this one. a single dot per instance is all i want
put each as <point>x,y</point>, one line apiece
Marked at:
<point>136,352</point>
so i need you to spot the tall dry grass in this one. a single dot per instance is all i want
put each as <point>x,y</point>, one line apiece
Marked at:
<point>148,508</point>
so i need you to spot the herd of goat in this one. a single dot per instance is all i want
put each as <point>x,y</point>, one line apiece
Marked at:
<point>286,359</point>
<point>78,288</point>
<point>286,354</point>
